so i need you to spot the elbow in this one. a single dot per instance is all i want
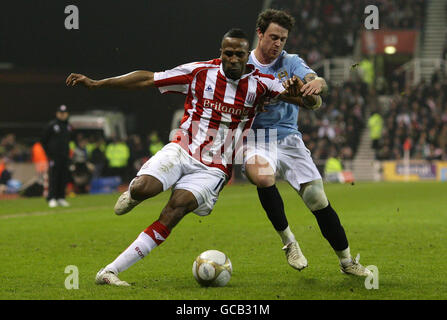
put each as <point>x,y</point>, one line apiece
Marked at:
<point>147,82</point>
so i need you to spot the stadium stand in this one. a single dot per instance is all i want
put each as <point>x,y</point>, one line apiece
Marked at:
<point>418,117</point>
<point>325,28</point>
<point>337,126</point>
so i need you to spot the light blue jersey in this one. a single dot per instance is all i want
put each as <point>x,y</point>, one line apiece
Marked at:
<point>281,115</point>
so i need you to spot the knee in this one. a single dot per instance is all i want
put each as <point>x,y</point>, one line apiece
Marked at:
<point>260,176</point>
<point>314,196</point>
<point>137,189</point>
<point>144,187</point>
<point>263,181</point>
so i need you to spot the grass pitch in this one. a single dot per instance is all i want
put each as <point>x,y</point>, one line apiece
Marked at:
<point>399,227</point>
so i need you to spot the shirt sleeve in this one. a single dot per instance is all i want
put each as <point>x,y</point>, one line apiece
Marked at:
<point>300,68</point>
<point>175,80</point>
<point>275,87</point>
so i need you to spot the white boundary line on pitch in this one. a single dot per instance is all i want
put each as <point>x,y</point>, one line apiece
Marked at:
<point>50,212</point>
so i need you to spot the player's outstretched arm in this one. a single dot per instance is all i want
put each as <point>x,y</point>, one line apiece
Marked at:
<point>133,80</point>
<point>293,94</point>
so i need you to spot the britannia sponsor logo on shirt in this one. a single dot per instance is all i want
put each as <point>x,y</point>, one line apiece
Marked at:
<point>218,106</point>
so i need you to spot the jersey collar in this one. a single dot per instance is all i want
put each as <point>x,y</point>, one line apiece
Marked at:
<point>256,61</point>
<point>250,67</point>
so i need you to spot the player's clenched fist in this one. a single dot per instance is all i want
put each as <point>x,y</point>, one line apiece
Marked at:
<point>79,79</point>
<point>293,86</point>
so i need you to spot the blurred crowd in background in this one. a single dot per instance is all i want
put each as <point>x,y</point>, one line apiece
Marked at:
<point>335,129</point>
<point>415,121</point>
<point>91,157</point>
<point>326,28</point>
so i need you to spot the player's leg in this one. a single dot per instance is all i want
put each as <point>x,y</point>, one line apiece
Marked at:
<point>297,167</point>
<point>140,188</point>
<point>332,230</point>
<point>261,173</point>
<point>52,184</point>
<point>156,175</point>
<point>180,203</point>
<point>315,199</point>
<point>63,178</point>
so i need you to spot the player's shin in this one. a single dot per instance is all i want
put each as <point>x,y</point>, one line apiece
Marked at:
<point>149,239</point>
<point>274,207</point>
<point>331,228</point>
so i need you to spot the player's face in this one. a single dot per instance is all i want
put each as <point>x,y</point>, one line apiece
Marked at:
<point>234,55</point>
<point>272,41</point>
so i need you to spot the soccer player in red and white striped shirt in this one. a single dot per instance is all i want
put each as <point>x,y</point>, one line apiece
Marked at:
<point>221,99</point>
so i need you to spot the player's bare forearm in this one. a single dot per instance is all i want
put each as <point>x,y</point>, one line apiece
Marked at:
<point>311,102</point>
<point>133,80</point>
<point>314,85</point>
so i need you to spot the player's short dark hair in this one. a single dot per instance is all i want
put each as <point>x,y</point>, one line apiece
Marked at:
<point>279,17</point>
<point>235,33</point>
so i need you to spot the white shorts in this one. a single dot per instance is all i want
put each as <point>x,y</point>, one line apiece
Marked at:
<point>289,158</point>
<point>173,167</point>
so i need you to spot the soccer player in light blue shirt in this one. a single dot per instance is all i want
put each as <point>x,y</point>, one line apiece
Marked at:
<point>292,160</point>
<point>281,116</point>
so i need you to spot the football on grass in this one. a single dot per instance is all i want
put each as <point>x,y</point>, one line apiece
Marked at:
<point>212,268</point>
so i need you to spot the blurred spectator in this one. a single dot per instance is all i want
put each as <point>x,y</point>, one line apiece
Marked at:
<point>139,153</point>
<point>155,143</point>
<point>81,169</point>
<point>366,70</point>
<point>117,154</point>
<point>5,174</point>
<point>333,167</point>
<point>97,157</point>
<point>39,158</point>
<point>375,125</point>
<point>326,130</point>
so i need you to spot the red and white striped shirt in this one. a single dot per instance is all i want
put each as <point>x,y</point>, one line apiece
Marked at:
<point>218,110</point>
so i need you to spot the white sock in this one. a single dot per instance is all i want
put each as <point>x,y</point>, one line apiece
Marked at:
<point>344,256</point>
<point>286,236</point>
<point>135,252</point>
